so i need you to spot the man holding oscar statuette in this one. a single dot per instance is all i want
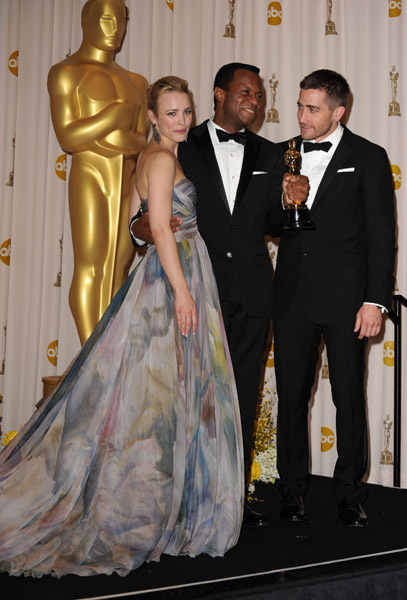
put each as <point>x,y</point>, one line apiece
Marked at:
<point>333,281</point>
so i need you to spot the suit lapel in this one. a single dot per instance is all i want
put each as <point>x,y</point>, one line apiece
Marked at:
<point>340,154</point>
<point>207,154</point>
<point>251,151</point>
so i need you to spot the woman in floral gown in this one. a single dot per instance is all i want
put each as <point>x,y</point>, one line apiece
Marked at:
<point>138,451</point>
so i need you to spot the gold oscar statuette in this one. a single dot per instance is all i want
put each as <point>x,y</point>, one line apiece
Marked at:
<point>325,367</point>
<point>230,28</point>
<point>272,113</point>
<point>330,28</point>
<point>394,106</point>
<point>59,274</point>
<point>387,456</point>
<point>99,114</point>
<point>10,182</point>
<point>3,364</point>
<point>296,215</point>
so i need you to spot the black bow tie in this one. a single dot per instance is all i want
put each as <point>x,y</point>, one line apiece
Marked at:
<point>240,136</point>
<point>310,146</point>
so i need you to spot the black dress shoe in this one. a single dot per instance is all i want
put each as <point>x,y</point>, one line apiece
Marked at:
<point>292,508</point>
<point>251,518</point>
<point>351,513</point>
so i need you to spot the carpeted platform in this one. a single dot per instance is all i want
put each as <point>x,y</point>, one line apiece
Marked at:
<point>318,559</point>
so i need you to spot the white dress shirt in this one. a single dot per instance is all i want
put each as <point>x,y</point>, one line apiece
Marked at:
<point>314,164</point>
<point>229,156</point>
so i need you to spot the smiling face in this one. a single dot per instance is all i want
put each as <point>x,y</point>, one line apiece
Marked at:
<point>317,118</point>
<point>173,117</point>
<point>104,23</point>
<point>238,106</point>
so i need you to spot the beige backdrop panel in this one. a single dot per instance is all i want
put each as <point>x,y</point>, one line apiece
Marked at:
<point>9,41</point>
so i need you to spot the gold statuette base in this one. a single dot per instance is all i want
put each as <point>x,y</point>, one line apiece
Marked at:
<point>394,109</point>
<point>387,458</point>
<point>330,28</point>
<point>229,31</point>
<point>272,116</point>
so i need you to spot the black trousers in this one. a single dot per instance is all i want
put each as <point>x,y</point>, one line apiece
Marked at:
<point>296,343</point>
<point>247,338</point>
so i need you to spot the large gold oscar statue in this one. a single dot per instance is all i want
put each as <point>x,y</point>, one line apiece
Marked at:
<point>99,114</point>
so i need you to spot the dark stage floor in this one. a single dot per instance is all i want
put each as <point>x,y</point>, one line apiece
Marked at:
<point>318,559</point>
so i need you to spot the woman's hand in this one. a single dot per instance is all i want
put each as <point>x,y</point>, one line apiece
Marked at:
<point>185,309</point>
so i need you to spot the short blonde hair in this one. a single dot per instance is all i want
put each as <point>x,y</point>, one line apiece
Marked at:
<point>170,83</point>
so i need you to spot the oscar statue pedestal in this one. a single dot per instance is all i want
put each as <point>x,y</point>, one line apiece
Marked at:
<point>48,382</point>
<point>297,218</point>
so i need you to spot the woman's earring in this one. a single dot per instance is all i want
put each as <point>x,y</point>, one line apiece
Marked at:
<point>156,134</point>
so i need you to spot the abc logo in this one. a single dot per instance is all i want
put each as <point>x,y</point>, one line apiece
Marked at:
<point>13,63</point>
<point>388,354</point>
<point>395,169</point>
<point>274,13</point>
<point>5,251</point>
<point>170,4</point>
<point>394,8</point>
<point>60,166</point>
<point>52,352</point>
<point>327,439</point>
<point>270,358</point>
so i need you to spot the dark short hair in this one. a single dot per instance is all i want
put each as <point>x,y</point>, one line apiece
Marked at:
<point>333,84</point>
<point>226,74</point>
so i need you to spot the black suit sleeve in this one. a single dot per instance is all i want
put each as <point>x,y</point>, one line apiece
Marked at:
<point>275,212</point>
<point>378,199</point>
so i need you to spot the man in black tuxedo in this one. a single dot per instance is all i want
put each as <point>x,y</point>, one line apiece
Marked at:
<point>238,177</point>
<point>238,184</point>
<point>334,281</point>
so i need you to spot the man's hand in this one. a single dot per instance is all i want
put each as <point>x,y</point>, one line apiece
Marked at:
<point>295,188</point>
<point>368,321</point>
<point>142,231</point>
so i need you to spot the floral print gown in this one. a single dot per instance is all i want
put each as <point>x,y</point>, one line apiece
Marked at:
<point>138,452</point>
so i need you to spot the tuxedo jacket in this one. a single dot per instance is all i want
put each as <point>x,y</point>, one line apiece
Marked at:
<point>348,258</point>
<point>235,241</point>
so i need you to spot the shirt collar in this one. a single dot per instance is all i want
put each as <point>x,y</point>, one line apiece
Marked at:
<point>334,138</point>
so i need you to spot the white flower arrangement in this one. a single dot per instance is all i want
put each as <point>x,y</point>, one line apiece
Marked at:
<point>264,462</point>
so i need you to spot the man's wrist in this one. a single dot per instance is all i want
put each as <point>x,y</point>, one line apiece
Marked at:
<point>383,309</point>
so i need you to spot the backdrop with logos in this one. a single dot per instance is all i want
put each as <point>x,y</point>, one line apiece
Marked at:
<point>364,40</point>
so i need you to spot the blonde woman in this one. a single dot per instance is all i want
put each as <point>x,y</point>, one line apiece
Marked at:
<point>139,451</point>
